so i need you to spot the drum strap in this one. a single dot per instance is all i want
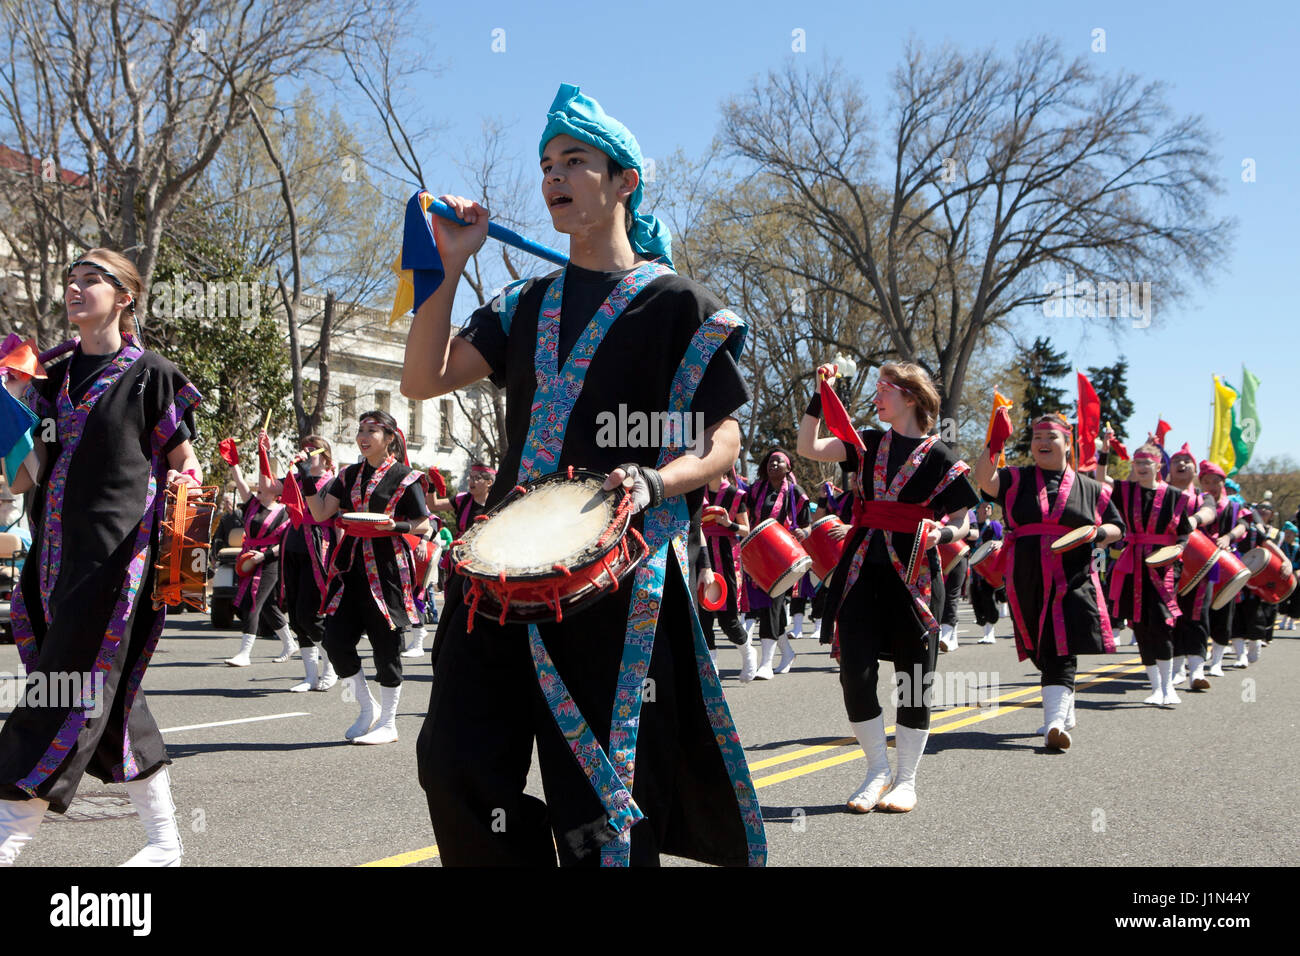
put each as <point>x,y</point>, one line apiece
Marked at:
<point>611,772</point>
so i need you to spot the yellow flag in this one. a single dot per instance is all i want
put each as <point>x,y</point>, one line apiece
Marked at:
<point>1221,451</point>
<point>999,401</point>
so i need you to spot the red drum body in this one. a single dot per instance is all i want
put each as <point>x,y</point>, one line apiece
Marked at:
<point>773,558</point>
<point>824,550</point>
<point>1233,575</point>
<point>951,553</point>
<point>422,551</point>
<point>1199,555</point>
<point>550,547</point>
<point>1266,577</point>
<point>989,562</point>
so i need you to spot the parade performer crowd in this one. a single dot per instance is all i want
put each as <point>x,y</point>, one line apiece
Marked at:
<point>331,552</point>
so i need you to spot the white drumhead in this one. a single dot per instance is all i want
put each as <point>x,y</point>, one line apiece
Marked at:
<point>550,524</point>
<point>363,517</point>
<point>984,551</point>
<point>1256,560</point>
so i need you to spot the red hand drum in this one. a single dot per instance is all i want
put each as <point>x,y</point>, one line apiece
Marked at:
<point>1074,539</point>
<point>951,553</point>
<point>773,557</point>
<point>824,550</point>
<point>1266,577</point>
<point>989,562</point>
<point>1199,555</point>
<point>714,596</point>
<point>550,547</point>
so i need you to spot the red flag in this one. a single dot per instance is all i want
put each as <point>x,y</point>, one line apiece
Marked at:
<point>1162,429</point>
<point>837,419</point>
<point>229,453</point>
<point>264,455</point>
<point>439,483</point>
<point>293,500</point>
<point>1118,448</point>
<point>1089,424</point>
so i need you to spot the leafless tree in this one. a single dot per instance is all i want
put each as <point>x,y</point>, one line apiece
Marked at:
<point>136,98</point>
<point>992,179</point>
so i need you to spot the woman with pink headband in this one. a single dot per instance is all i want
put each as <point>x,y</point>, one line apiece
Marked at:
<point>1157,515</point>
<point>1057,606</point>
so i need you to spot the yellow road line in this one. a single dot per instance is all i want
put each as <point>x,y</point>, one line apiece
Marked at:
<point>848,741</point>
<point>407,858</point>
<point>1119,670</point>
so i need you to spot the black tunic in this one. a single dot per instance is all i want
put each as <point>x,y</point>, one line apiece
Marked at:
<point>84,601</point>
<point>1086,621</point>
<point>377,567</point>
<point>681,781</point>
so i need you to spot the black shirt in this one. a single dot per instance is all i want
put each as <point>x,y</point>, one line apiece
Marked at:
<point>631,371</point>
<point>958,496</point>
<point>84,370</point>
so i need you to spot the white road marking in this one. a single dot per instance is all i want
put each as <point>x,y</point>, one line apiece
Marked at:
<point>227,723</point>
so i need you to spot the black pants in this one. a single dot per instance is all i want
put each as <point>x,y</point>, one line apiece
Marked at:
<point>773,620</point>
<point>357,613</point>
<point>264,617</point>
<point>983,600</point>
<point>302,598</point>
<point>728,620</point>
<point>1191,631</point>
<point>1056,669</point>
<point>1155,639</point>
<point>952,585</point>
<point>486,711</point>
<point>1221,622</point>
<point>878,621</point>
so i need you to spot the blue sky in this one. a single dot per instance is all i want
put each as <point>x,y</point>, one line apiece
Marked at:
<point>664,68</point>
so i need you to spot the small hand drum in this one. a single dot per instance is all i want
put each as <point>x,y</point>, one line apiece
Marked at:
<point>714,596</point>
<point>1074,539</point>
<point>551,547</point>
<point>1163,557</point>
<point>917,560</point>
<point>181,570</point>
<point>364,524</point>
<point>246,563</point>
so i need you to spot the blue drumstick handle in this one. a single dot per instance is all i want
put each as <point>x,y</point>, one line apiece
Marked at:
<point>502,234</point>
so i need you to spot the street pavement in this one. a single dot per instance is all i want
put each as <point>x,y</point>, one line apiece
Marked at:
<point>263,777</point>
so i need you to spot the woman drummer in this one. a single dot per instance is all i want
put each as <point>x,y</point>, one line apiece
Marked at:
<point>305,565</point>
<point>1225,520</point>
<point>119,421</point>
<point>370,580</point>
<point>725,521</point>
<point>775,494</point>
<point>1192,628</point>
<point>1290,608</point>
<point>905,476</point>
<point>258,597</point>
<point>465,507</point>
<point>1156,516</point>
<point>1057,606</point>
<point>983,596</point>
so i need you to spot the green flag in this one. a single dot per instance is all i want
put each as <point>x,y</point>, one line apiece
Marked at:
<point>1245,426</point>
